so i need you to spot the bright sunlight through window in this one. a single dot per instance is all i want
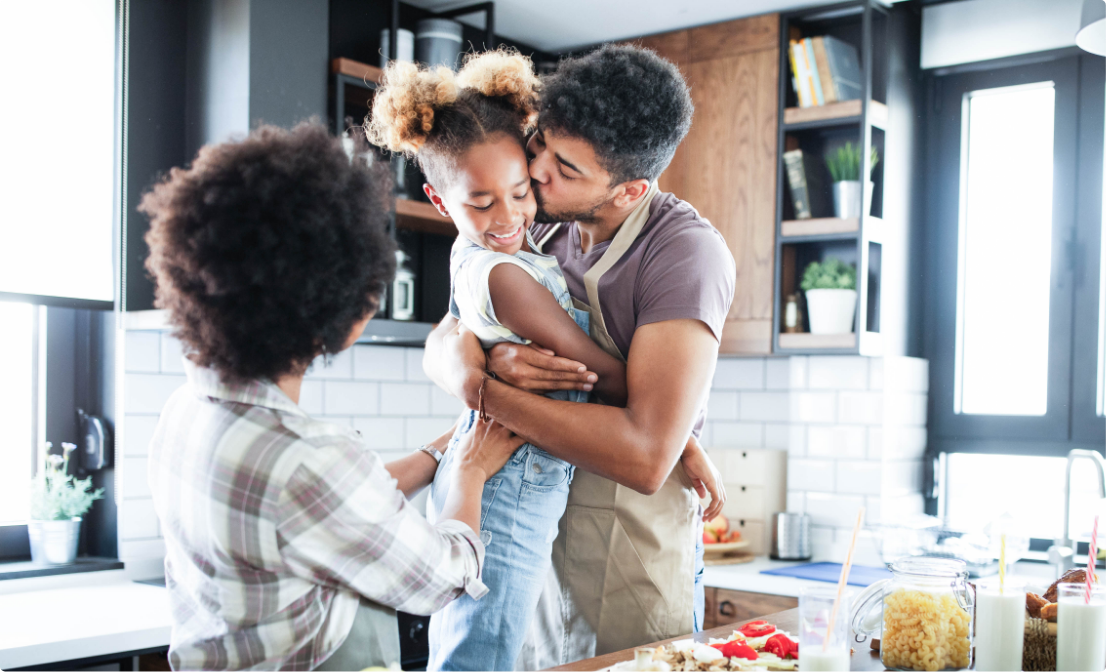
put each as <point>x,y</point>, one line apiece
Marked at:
<point>16,420</point>
<point>1005,251</point>
<point>58,58</point>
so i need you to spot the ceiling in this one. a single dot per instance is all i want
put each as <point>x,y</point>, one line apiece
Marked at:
<point>560,25</point>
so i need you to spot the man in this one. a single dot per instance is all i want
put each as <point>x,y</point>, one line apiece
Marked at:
<point>658,281</point>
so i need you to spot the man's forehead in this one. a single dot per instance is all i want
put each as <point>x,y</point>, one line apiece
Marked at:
<point>573,148</point>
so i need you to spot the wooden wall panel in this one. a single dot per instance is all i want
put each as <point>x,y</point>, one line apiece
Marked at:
<point>733,38</point>
<point>731,175</point>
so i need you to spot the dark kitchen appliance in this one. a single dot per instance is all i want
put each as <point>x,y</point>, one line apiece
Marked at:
<point>95,447</point>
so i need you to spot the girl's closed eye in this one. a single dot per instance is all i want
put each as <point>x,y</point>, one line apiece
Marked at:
<point>482,208</point>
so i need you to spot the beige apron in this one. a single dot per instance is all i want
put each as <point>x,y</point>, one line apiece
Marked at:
<point>623,563</point>
<point>373,640</point>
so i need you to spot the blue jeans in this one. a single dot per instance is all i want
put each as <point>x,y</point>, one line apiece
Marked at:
<point>700,594</point>
<point>520,511</point>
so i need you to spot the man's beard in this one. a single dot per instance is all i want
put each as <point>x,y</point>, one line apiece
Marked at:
<point>585,215</point>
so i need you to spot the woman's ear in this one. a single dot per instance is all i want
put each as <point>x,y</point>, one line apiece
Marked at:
<point>435,199</point>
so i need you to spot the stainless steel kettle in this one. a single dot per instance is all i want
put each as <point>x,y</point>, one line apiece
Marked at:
<point>791,536</point>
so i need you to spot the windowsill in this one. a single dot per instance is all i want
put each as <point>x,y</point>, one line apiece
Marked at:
<point>27,570</point>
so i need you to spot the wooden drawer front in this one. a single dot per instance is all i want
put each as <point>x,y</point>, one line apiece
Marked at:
<point>744,501</point>
<point>745,467</point>
<point>732,606</point>
<point>711,607</point>
<point>754,532</point>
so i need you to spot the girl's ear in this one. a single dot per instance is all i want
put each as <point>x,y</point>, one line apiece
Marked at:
<point>435,199</point>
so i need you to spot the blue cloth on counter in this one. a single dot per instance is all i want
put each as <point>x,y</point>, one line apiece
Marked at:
<point>830,572</point>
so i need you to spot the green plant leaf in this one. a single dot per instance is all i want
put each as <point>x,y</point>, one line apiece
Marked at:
<point>830,274</point>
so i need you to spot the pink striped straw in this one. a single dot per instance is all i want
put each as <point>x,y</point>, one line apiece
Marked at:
<point>1092,560</point>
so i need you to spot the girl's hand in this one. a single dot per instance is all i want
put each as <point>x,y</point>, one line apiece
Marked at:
<point>486,448</point>
<point>704,476</point>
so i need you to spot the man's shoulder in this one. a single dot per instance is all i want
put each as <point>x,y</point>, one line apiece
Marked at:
<point>676,223</point>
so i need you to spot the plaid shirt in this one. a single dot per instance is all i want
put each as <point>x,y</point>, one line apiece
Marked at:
<point>275,523</point>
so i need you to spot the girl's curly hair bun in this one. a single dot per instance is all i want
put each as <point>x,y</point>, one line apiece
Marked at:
<point>507,75</point>
<point>405,103</point>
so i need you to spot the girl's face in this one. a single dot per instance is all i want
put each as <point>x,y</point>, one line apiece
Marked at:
<point>489,196</point>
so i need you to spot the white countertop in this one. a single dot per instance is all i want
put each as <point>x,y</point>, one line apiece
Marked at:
<point>59,618</point>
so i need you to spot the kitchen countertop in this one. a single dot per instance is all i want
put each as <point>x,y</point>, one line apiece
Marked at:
<point>59,618</point>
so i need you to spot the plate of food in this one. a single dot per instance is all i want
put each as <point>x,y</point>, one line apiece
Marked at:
<point>758,645</point>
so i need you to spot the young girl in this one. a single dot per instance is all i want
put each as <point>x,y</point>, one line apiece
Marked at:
<point>467,132</point>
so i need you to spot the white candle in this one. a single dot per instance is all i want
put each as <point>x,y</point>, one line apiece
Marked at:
<point>999,625</point>
<point>1081,628</point>
<point>835,659</point>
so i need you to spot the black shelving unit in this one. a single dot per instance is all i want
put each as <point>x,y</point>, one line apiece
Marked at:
<point>887,39</point>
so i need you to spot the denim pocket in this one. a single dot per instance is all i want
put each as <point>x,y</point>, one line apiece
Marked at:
<point>545,472</point>
<point>491,486</point>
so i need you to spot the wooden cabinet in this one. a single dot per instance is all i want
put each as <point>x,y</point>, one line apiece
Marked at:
<point>732,606</point>
<point>726,167</point>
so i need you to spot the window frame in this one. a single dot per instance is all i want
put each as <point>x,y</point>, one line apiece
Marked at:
<point>1073,313</point>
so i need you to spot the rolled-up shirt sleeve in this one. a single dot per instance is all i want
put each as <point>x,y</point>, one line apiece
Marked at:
<point>343,522</point>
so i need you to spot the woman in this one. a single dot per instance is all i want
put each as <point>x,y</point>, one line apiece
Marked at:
<point>288,543</point>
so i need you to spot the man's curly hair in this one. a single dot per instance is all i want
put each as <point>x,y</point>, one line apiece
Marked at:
<point>630,104</point>
<point>268,250</point>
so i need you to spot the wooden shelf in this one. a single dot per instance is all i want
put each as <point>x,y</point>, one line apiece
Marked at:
<point>422,217</point>
<point>847,111</point>
<point>818,227</point>
<point>351,68</point>
<point>817,341</point>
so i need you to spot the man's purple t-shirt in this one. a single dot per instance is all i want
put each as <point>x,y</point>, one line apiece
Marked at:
<point>678,268</point>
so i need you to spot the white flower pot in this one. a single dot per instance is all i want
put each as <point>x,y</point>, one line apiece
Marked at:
<point>54,542</point>
<point>847,197</point>
<point>831,311</point>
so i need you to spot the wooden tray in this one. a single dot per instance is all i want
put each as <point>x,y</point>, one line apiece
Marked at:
<point>722,549</point>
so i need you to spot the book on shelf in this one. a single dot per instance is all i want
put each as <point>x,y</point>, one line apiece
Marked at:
<point>844,66</point>
<point>802,76</point>
<point>829,91</point>
<point>808,192</point>
<point>812,67</point>
<point>824,70</point>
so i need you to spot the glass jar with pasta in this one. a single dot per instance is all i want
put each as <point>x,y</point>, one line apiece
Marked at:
<point>923,615</point>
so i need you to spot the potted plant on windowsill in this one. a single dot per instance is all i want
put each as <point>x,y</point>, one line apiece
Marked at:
<point>844,168</point>
<point>830,289</point>
<point>58,500</point>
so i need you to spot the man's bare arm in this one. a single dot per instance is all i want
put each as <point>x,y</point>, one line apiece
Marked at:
<point>668,374</point>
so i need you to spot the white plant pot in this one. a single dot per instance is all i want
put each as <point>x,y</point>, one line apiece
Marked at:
<point>831,311</point>
<point>847,196</point>
<point>54,542</point>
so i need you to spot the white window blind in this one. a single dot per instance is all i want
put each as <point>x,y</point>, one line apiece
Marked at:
<point>57,74</point>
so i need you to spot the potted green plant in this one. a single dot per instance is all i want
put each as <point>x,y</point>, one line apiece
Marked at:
<point>830,289</point>
<point>58,500</point>
<point>844,168</point>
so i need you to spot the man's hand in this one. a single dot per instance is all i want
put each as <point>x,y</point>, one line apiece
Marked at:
<point>451,343</point>
<point>535,369</point>
<point>704,476</point>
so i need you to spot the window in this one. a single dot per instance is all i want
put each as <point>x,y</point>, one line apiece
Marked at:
<point>57,58</point>
<point>17,408</point>
<point>1005,248</point>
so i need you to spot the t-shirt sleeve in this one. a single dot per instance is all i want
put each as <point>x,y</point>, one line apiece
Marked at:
<point>688,275</point>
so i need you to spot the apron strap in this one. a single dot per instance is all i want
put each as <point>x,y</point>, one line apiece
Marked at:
<point>544,239</point>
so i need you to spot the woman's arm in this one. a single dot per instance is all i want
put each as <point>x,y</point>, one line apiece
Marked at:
<point>415,471</point>
<point>528,309</point>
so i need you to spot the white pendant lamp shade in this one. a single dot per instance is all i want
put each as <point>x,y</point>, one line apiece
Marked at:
<point>1092,28</point>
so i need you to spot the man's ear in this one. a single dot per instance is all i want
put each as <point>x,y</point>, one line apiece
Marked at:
<point>629,193</point>
<point>435,199</point>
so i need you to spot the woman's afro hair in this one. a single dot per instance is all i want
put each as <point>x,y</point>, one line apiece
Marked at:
<point>267,251</point>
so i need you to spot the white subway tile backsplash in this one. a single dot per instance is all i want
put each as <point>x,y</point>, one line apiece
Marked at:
<point>901,477</point>
<point>142,354</point>
<point>796,443</point>
<point>382,433</point>
<point>441,403</point>
<point>414,365</point>
<point>905,409</point>
<point>875,374</point>
<point>813,406</point>
<point>833,510</point>
<point>796,501</point>
<point>798,372</point>
<point>722,405</point>
<point>172,356</point>
<point>777,435</point>
<point>135,482</point>
<point>904,443</point>
<point>836,441</point>
<point>148,392</point>
<point>906,374</point>
<point>777,373</point>
<point>874,510</point>
<point>379,362</point>
<point>810,475</point>
<point>404,399</point>
<point>137,432</point>
<point>837,373</point>
<point>336,367</point>
<point>343,420</point>
<point>821,541</point>
<point>424,430</point>
<point>311,397</point>
<point>737,434</point>
<point>764,406</point>
<point>351,398</point>
<point>897,508</point>
<point>137,519</point>
<point>706,435</point>
<point>860,408</point>
<point>875,443</point>
<point>739,374</point>
<point>855,477</point>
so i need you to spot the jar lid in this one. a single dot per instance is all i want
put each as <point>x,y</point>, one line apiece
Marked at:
<point>931,567</point>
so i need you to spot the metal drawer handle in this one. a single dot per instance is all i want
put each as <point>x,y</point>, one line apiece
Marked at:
<point>726,608</point>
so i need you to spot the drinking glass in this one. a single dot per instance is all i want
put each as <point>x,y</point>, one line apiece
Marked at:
<point>1081,628</point>
<point>999,623</point>
<point>815,612</point>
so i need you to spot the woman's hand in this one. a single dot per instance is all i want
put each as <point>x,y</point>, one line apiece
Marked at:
<point>704,476</point>
<point>485,449</point>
